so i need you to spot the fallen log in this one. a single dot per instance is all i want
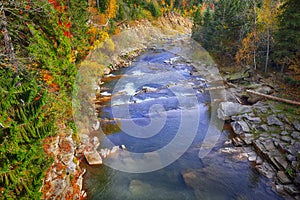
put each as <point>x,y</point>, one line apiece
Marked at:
<point>274,98</point>
<point>215,88</point>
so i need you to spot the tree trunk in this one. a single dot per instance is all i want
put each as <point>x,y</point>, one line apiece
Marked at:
<point>274,98</point>
<point>9,48</point>
<point>255,30</point>
<point>268,50</point>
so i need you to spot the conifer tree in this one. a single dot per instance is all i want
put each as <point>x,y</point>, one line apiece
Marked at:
<point>288,35</point>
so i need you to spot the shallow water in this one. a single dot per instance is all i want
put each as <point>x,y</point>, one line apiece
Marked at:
<point>150,102</point>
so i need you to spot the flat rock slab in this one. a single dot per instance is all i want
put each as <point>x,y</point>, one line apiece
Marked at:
<point>273,120</point>
<point>283,177</point>
<point>93,158</point>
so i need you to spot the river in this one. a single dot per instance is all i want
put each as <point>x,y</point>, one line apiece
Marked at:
<point>159,109</point>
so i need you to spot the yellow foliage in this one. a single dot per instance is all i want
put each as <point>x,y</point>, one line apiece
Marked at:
<point>245,55</point>
<point>112,9</point>
<point>93,31</point>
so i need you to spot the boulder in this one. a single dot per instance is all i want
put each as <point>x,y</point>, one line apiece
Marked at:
<point>228,109</point>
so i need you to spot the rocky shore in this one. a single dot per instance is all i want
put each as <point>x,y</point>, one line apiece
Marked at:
<point>265,133</point>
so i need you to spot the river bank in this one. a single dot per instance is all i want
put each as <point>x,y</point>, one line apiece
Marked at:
<point>265,132</point>
<point>64,179</point>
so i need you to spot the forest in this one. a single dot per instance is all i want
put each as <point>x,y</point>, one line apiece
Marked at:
<point>43,43</point>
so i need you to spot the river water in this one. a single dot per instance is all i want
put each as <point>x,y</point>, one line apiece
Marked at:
<point>159,106</point>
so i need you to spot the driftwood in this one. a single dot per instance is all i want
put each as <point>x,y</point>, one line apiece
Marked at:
<point>274,98</point>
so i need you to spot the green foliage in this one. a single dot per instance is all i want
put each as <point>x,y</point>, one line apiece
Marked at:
<point>288,35</point>
<point>35,87</point>
<point>25,125</point>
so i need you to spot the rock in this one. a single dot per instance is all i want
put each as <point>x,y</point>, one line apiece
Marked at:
<point>237,142</point>
<point>281,162</point>
<point>240,127</point>
<point>259,160</point>
<point>263,127</point>
<point>115,149</point>
<point>273,120</point>
<point>95,142</point>
<point>291,189</point>
<point>295,135</point>
<point>84,139</point>
<point>297,179</point>
<point>228,109</point>
<point>247,138</point>
<point>284,133</point>
<point>189,177</point>
<point>265,169</point>
<point>252,156</point>
<point>123,147</point>
<point>286,139</point>
<point>93,158</point>
<point>297,125</point>
<point>280,189</point>
<point>227,142</point>
<point>230,150</point>
<point>290,158</point>
<point>104,152</point>
<point>139,188</point>
<point>283,178</point>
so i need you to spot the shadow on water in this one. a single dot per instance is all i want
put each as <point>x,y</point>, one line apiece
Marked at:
<point>216,176</point>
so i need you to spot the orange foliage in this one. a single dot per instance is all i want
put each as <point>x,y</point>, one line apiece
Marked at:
<point>245,54</point>
<point>112,9</point>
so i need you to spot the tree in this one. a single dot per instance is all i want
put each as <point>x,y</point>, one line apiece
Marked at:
<point>267,21</point>
<point>288,36</point>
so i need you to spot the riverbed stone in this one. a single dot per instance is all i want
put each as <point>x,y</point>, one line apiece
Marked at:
<point>273,120</point>
<point>139,188</point>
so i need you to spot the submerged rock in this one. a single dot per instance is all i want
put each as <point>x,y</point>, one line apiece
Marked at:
<point>139,188</point>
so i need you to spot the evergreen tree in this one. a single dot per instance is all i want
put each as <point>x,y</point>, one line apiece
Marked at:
<point>288,35</point>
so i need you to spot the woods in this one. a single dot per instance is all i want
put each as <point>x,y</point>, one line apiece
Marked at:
<point>260,33</point>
